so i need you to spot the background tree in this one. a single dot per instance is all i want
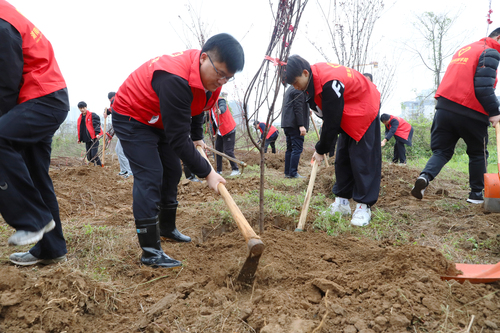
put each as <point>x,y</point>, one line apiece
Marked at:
<point>436,45</point>
<point>263,90</point>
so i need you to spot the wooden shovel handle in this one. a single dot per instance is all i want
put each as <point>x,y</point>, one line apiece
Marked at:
<point>305,206</point>
<point>317,133</point>
<point>497,131</point>
<point>245,228</point>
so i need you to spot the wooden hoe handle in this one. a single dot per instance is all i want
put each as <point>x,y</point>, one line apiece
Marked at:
<point>305,207</point>
<point>246,230</point>
<point>317,133</point>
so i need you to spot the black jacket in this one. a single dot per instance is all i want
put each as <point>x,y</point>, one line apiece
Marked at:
<point>295,109</point>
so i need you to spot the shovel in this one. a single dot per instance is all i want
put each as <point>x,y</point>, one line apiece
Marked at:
<point>305,207</point>
<point>255,245</point>
<point>243,164</point>
<point>492,182</point>
<point>476,273</point>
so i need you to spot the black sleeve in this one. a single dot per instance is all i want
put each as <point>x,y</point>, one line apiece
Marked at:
<point>96,123</point>
<point>298,107</point>
<point>11,66</point>
<point>222,105</point>
<point>197,127</point>
<point>484,81</point>
<point>394,126</point>
<point>175,106</point>
<point>333,107</point>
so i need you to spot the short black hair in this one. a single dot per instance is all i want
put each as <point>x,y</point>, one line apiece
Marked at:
<point>82,105</point>
<point>224,48</point>
<point>384,117</point>
<point>368,75</point>
<point>111,94</point>
<point>294,68</point>
<point>495,33</point>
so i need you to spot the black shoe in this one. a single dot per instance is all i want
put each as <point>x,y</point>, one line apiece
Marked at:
<point>168,230</point>
<point>297,176</point>
<point>148,232</point>
<point>475,198</point>
<point>420,184</point>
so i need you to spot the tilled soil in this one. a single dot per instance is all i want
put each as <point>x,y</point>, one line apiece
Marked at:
<point>305,282</point>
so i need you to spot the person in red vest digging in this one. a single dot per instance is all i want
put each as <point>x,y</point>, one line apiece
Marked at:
<point>349,105</point>
<point>89,131</point>
<point>224,125</point>
<point>402,132</point>
<point>33,104</point>
<point>466,104</point>
<point>271,136</point>
<point>158,116</point>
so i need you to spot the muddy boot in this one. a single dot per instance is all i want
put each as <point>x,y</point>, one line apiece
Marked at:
<point>148,232</point>
<point>168,230</point>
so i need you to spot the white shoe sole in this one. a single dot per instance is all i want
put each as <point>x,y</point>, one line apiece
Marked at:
<point>35,236</point>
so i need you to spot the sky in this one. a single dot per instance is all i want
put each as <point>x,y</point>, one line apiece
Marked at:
<point>97,44</point>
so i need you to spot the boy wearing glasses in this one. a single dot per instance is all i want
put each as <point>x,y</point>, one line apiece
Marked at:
<point>158,117</point>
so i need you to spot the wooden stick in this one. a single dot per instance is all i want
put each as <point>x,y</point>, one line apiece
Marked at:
<point>317,133</point>
<point>305,207</point>
<point>226,156</point>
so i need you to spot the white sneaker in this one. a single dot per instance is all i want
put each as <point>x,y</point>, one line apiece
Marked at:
<point>235,173</point>
<point>340,205</point>
<point>362,215</point>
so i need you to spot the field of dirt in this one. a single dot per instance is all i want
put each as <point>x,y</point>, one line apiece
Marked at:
<point>305,282</point>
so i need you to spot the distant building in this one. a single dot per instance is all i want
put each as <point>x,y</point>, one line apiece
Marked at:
<point>423,105</point>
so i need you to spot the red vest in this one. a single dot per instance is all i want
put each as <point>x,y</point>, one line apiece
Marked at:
<point>361,97</point>
<point>88,124</point>
<point>41,74</point>
<point>271,130</point>
<point>458,81</point>
<point>224,122</point>
<point>137,99</point>
<point>404,127</point>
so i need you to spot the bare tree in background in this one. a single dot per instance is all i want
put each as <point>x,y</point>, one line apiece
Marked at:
<point>264,88</point>
<point>347,41</point>
<point>437,44</point>
<point>195,27</point>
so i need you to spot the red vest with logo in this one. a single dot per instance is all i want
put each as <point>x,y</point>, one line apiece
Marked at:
<point>361,97</point>
<point>225,122</point>
<point>41,74</point>
<point>137,99</point>
<point>271,130</point>
<point>88,124</point>
<point>404,127</point>
<point>458,81</point>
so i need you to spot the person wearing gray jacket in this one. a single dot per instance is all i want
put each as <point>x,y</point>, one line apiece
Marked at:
<point>295,123</point>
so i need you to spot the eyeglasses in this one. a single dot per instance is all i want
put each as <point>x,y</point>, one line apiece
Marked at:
<point>221,77</point>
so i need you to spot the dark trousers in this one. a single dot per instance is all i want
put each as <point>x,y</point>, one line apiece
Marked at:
<point>157,169</point>
<point>358,166</point>
<point>225,144</point>
<point>27,197</point>
<point>447,128</point>
<point>294,147</point>
<point>399,152</point>
<point>271,141</point>
<point>92,150</point>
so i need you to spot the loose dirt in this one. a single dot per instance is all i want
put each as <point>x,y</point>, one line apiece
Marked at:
<point>306,282</point>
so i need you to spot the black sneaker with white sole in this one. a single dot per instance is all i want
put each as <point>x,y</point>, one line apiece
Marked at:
<point>475,198</point>
<point>420,184</point>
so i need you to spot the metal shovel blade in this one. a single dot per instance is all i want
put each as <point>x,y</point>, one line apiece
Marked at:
<point>247,273</point>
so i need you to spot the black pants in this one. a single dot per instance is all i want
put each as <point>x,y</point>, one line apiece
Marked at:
<point>294,147</point>
<point>447,128</point>
<point>225,144</point>
<point>271,141</point>
<point>27,197</point>
<point>400,149</point>
<point>92,150</point>
<point>157,169</point>
<point>358,166</point>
